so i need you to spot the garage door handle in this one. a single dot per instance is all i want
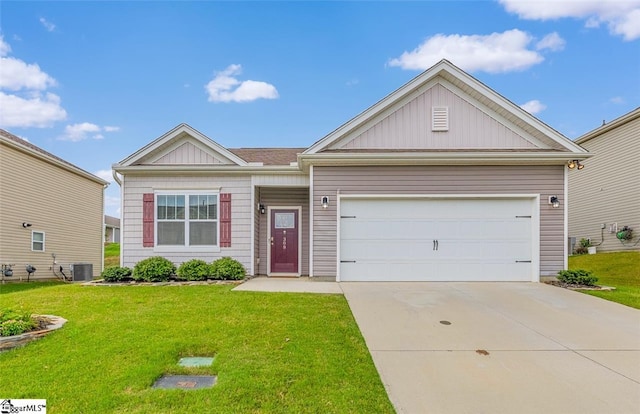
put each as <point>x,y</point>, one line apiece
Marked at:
<point>523,261</point>
<point>347,261</point>
<point>436,244</point>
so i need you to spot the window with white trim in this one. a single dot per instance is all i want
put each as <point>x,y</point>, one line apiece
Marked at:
<point>37,241</point>
<point>187,219</point>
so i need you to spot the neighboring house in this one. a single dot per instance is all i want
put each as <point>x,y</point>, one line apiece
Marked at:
<point>111,229</point>
<point>444,179</point>
<point>604,196</point>
<point>47,207</point>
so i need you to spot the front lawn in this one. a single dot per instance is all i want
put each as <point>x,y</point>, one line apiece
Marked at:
<point>620,270</point>
<point>274,352</point>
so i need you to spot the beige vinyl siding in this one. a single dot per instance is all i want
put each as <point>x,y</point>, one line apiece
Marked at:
<point>543,180</point>
<point>187,153</point>
<point>241,216</point>
<point>410,127</point>
<point>67,207</point>
<point>273,197</point>
<point>607,190</point>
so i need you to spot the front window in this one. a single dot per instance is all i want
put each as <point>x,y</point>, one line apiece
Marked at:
<point>196,225</point>
<point>37,241</point>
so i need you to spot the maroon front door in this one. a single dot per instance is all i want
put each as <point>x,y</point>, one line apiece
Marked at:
<point>284,241</point>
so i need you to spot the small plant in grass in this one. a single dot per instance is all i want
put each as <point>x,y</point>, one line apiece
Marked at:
<point>153,269</point>
<point>583,248</point>
<point>194,269</point>
<point>14,322</point>
<point>116,274</point>
<point>577,277</point>
<point>227,268</point>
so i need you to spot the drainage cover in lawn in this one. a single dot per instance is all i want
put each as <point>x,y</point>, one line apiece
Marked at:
<point>185,382</point>
<point>195,362</point>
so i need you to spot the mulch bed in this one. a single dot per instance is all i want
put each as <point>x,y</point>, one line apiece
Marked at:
<point>578,287</point>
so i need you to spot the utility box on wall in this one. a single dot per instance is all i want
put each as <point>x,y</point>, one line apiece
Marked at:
<point>82,272</point>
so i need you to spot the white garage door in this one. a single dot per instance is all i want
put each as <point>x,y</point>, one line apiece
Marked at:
<point>436,239</point>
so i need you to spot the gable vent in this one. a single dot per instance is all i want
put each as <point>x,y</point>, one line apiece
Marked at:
<point>440,118</point>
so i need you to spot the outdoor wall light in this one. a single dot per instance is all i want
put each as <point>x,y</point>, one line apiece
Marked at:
<point>324,201</point>
<point>573,164</point>
<point>553,200</point>
<point>261,208</point>
<point>25,224</point>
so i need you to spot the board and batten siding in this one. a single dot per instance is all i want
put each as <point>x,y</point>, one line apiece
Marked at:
<point>607,190</point>
<point>410,127</point>
<point>275,197</point>
<point>441,180</point>
<point>67,207</point>
<point>241,216</point>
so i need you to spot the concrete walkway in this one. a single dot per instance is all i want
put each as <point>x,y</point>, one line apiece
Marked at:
<point>492,347</point>
<point>287,284</point>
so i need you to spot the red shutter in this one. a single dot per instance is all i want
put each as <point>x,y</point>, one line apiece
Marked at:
<point>225,220</point>
<point>147,219</point>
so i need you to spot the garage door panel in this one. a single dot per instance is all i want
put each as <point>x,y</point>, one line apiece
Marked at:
<point>436,239</point>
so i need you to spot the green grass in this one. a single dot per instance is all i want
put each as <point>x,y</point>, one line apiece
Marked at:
<point>620,270</point>
<point>112,254</point>
<point>274,352</point>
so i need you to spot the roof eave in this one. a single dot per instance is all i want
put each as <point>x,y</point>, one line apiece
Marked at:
<point>205,169</point>
<point>628,117</point>
<point>440,158</point>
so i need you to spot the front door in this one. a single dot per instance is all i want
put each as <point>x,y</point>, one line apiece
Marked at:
<point>284,241</point>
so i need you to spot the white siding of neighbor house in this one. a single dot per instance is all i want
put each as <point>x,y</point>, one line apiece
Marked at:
<point>409,127</point>
<point>607,190</point>
<point>188,153</point>
<point>543,180</point>
<point>241,216</point>
<point>65,206</point>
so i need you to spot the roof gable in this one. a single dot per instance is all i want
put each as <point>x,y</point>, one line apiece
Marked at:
<point>183,145</point>
<point>482,119</point>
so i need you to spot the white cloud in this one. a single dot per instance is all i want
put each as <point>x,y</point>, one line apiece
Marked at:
<point>17,74</point>
<point>39,111</point>
<point>621,17</point>
<point>29,105</point>
<point>47,24</point>
<point>534,106</point>
<point>224,87</point>
<point>617,100</point>
<point>107,176</point>
<point>84,130</point>
<point>552,41</point>
<point>494,53</point>
<point>5,48</point>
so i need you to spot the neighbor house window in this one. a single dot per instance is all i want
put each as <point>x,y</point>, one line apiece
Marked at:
<point>37,241</point>
<point>187,219</point>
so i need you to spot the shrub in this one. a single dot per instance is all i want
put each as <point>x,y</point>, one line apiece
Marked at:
<point>194,269</point>
<point>227,268</point>
<point>577,277</point>
<point>15,323</point>
<point>116,274</point>
<point>153,269</point>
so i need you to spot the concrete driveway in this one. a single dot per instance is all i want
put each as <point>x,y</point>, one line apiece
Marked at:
<point>499,347</point>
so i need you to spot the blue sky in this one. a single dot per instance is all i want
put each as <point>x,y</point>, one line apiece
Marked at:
<point>92,82</point>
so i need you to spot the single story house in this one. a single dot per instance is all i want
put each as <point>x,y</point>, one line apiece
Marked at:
<point>111,229</point>
<point>604,197</point>
<point>51,214</point>
<point>443,179</point>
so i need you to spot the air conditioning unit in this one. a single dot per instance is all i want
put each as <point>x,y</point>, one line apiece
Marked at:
<point>82,272</point>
